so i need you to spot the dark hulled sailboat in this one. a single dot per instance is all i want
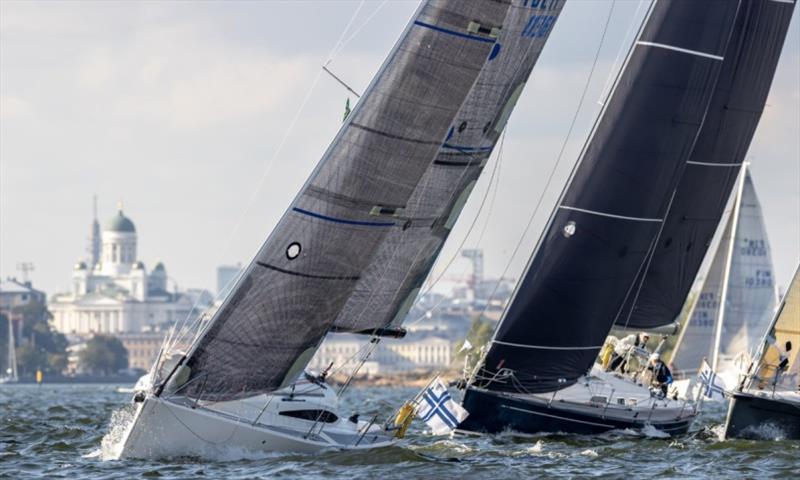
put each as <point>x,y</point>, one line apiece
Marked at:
<point>768,399</point>
<point>689,95</point>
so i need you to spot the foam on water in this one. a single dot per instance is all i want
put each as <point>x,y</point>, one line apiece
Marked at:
<point>650,431</point>
<point>111,445</point>
<point>764,431</point>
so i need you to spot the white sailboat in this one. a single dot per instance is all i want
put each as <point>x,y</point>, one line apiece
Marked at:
<point>738,298</point>
<point>10,375</point>
<point>360,236</point>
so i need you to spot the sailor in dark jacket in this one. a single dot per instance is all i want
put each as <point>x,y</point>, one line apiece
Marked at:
<point>661,377</point>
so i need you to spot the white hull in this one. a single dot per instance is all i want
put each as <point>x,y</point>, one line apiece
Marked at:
<point>179,427</point>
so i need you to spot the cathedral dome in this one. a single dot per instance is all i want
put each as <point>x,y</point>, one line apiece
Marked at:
<point>120,223</point>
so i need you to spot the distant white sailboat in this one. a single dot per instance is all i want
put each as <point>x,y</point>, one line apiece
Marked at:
<point>738,298</point>
<point>10,375</point>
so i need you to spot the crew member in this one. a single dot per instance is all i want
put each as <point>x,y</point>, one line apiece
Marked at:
<point>624,348</point>
<point>660,377</point>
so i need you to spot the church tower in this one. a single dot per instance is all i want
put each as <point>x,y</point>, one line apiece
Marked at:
<point>119,245</point>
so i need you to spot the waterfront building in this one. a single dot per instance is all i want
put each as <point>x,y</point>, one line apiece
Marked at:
<point>112,290</point>
<point>414,353</point>
<point>142,347</point>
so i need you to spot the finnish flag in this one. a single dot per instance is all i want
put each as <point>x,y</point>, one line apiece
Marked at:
<point>437,408</point>
<point>710,383</point>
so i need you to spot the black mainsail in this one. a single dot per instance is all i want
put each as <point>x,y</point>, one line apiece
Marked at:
<point>272,322</point>
<point>603,228</point>
<point>712,169</point>
<point>388,288</point>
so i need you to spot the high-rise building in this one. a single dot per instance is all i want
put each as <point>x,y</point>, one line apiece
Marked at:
<point>226,277</point>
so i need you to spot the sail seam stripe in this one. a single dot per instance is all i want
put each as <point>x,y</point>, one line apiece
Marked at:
<point>453,32</point>
<point>468,149</point>
<point>789,2</point>
<point>543,347</point>
<point>307,275</point>
<point>341,220</point>
<point>611,215</point>
<point>711,164</point>
<point>391,135</point>
<point>682,50</point>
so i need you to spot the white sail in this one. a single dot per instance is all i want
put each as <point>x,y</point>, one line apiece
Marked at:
<point>738,297</point>
<point>697,338</point>
<point>751,296</point>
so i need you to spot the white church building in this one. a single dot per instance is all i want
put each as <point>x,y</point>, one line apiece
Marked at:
<point>112,291</point>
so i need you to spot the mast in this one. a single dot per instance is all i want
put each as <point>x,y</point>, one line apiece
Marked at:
<point>727,271</point>
<point>12,355</point>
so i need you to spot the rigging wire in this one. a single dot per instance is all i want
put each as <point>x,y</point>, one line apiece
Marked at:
<point>560,156</point>
<point>190,322</point>
<point>615,66</point>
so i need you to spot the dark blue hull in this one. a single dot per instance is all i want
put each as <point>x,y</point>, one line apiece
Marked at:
<point>748,413</point>
<point>494,413</point>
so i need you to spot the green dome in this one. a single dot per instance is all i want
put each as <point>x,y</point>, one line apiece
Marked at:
<point>120,223</point>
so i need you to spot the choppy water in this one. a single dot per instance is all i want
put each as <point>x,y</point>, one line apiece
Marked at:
<point>58,431</point>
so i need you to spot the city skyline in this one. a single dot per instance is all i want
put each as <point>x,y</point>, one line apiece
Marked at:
<point>177,110</point>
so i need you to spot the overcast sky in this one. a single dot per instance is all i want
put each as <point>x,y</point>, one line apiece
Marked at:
<point>180,109</point>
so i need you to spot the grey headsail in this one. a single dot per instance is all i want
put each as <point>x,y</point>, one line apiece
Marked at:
<point>711,172</point>
<point>389,286</point>
<point>267,329</point>
<point>611,211</point>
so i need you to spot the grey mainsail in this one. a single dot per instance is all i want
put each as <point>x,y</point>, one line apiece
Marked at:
<point>272,322</point>
<point>390,284</point>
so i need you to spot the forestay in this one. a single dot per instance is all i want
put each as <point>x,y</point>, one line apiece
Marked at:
<point>609,215</point>
<point>777,365</point>
<point>270,325</point>
<point>712,169</point>
<point>389,286</point>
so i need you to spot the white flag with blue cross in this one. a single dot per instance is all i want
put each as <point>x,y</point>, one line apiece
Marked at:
<point>710,383</point>
<point>437,408</point>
